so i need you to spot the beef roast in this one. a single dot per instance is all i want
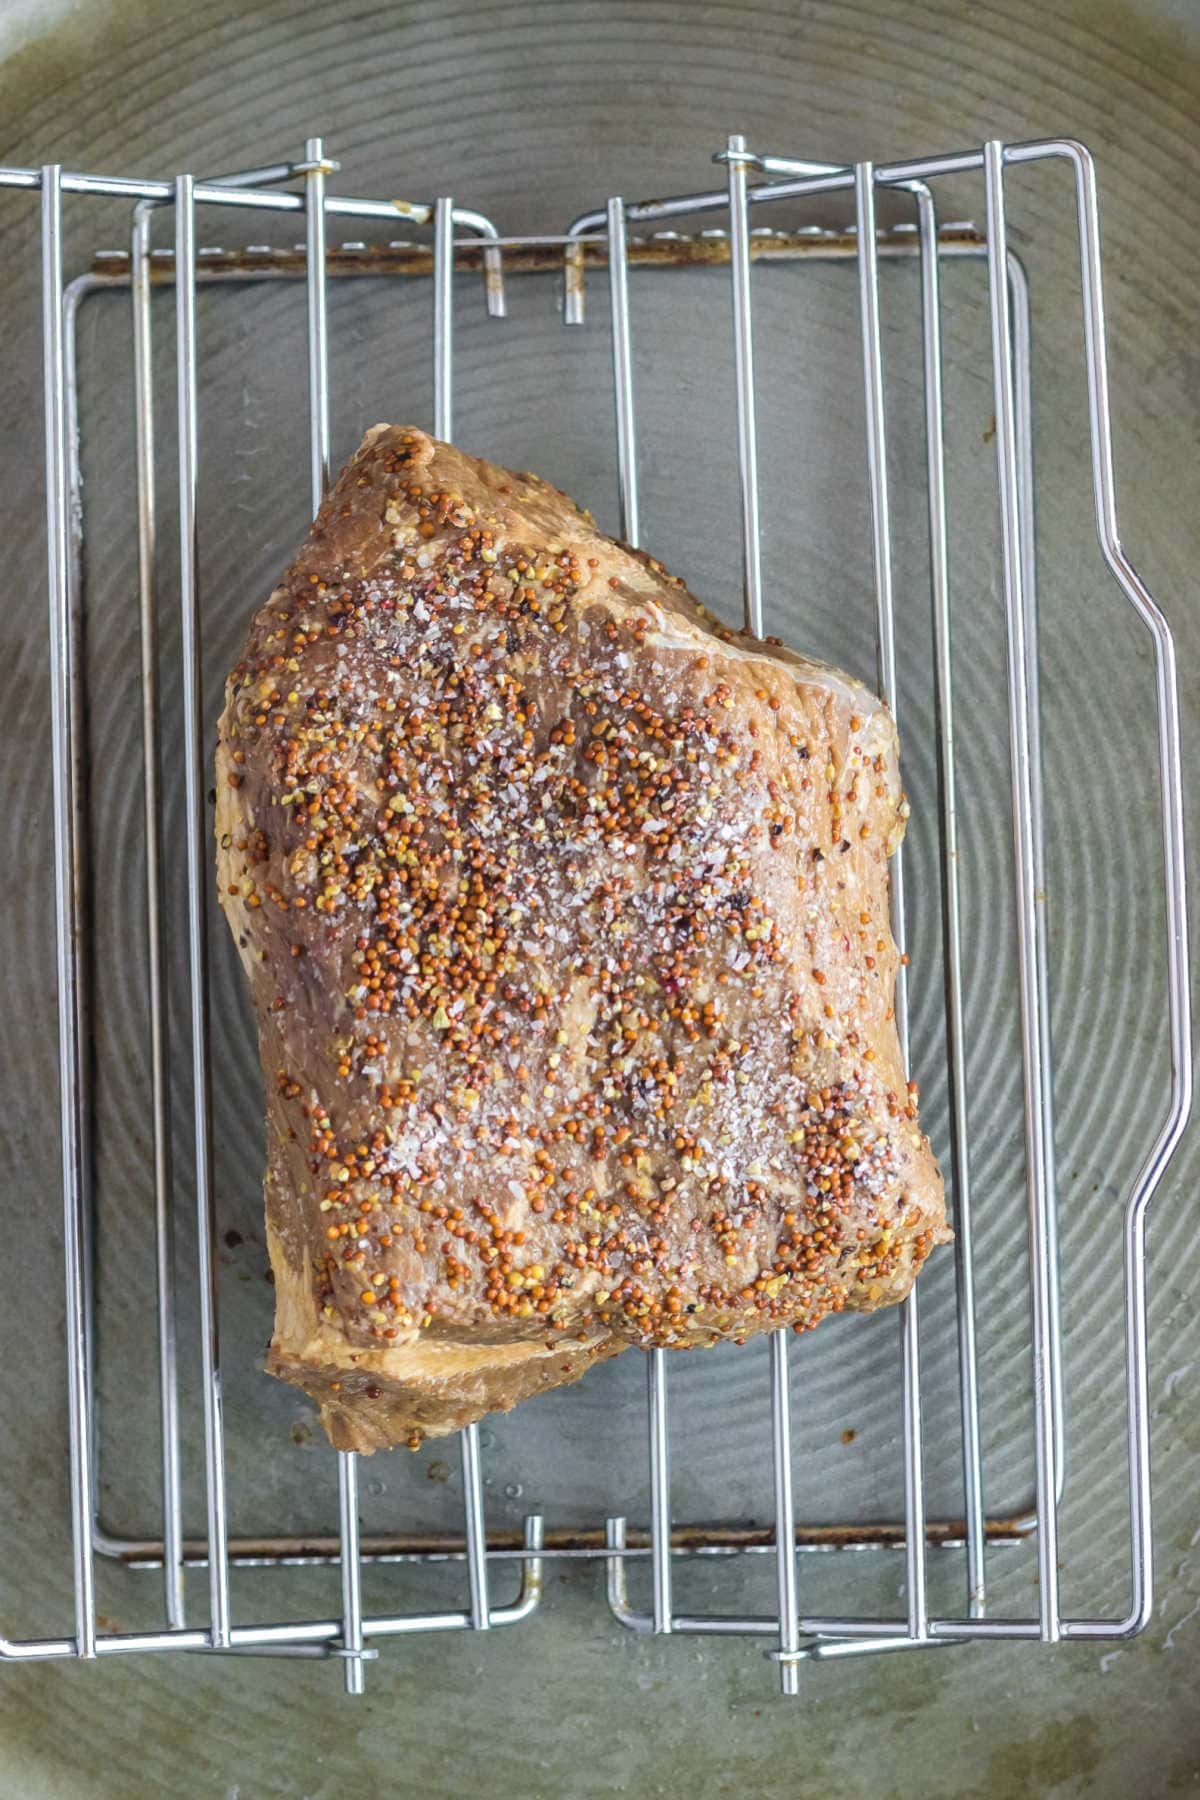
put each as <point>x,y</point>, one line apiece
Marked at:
<point>564,911</point>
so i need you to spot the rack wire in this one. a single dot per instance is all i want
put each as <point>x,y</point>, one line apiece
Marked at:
<point>598,238</point>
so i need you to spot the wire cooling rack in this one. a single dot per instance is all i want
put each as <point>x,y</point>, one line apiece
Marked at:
<point>462,240</point>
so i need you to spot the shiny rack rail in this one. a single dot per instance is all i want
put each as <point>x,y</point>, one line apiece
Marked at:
<point>599,239</point>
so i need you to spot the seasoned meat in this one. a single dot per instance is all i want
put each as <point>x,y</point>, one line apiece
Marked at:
<point>564,911</point>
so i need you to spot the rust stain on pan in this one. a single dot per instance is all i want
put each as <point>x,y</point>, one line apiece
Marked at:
<point>532,259</point>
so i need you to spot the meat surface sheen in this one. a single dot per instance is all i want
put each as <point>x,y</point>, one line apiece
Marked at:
<point>565,915</point>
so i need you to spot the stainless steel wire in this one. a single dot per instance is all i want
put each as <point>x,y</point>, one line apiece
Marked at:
<point>156,977</point>
<point>797,1635</point>
<point>198,886</point>
<point>618,279</point>
<point>1011,354</point>
<point>67,924</point>
<point>316,169</point>
<point>885,635</point>
<point>627,481</point>
<point>747,442</point>
<point>952,939</point>
<point>1033,1047</point>
<point>743,365</point>
<point>143,379</point>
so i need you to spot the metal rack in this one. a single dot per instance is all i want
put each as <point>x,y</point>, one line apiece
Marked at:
<point>600,237</point>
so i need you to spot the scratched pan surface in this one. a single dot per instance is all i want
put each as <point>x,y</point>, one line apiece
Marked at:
<point>553,109</point>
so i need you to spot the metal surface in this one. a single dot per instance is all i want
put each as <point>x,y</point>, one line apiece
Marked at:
<point>952,934</point>
<point>885,656</point>
<point>156,972</point>
<point>743,360</point>
<point>443,425</point>
<point>800,1631</point>
<point>1016,484</point>
<point>199,883</point>
<point>68,926</point>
